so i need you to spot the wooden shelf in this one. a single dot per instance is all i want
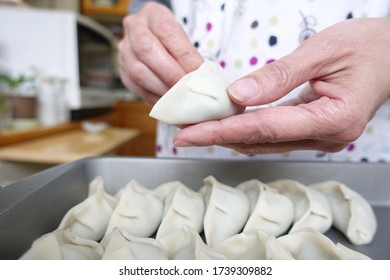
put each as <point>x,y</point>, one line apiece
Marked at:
<point>68,146</point>
<point>12,137</point>
<point>121,8</point>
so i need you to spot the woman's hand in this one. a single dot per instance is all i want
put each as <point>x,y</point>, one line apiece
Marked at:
<point>347,67</point>
<point>155,52</point>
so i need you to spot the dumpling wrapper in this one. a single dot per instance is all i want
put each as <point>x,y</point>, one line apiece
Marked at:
<point>271,211</point>
<point>118,245</point>
<point>248,245</point>
<point>63,245</point>
<point>311,208</point>
<point>187,244</point>
<point>352,214</point>
<point>309,244</point>
<point>166,192</point>
<point>182,206</point>
<point>227,210</point>
<point>139,211</point>
<point>199,96</point>
<point>89,218</point>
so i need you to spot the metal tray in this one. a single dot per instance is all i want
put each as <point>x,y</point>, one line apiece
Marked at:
<point>34,206</point>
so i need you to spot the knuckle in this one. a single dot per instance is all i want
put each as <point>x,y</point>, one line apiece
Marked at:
<point>138,36</point>
<point>350,131</point>
<point>141,43</point>
<point>326,47</point>
<point>185,55</point>
<point>280,73</point>
<point>189,59</point>
<point>329,50</point>
<point>168,29</point>
<point>349,126</point>
<point>342,132</point>
<point>128,21</point>
<point>172,79</point>
<point>137,73</point>
<point>266,131</point>
<point>336,122</point>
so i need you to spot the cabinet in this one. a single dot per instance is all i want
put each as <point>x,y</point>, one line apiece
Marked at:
<point>136,115</point>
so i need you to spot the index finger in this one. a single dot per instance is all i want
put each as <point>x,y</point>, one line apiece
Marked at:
<point>322,119</point>
<point>175,40</point>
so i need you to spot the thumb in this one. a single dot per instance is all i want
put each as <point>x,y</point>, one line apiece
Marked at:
<point>277,79</point>
<point>269,83</point>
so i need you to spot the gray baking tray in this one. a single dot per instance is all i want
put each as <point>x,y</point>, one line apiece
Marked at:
<point>34,206</point>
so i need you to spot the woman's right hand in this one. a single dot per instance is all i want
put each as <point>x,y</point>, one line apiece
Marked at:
<point>155,52</point>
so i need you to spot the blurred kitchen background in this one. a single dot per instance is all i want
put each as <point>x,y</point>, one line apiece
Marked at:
<point>61,97</point>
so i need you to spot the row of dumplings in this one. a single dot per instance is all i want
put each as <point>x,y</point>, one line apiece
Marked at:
<point>172,218</point>
<point>187,244</point>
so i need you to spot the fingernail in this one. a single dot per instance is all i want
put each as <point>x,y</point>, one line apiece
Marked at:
<point>244,90</point>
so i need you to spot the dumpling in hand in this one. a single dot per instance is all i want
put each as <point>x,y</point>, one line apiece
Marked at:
<point>199,96</point>
<point>89,219</point>
<point>139,211</point>
<point>227,210</point>
<point>182,206</point>
<point>271,211</point>
<point>118,245</point>
<point>311,208</point>
<point>352,214</point>
<point>63,245</point>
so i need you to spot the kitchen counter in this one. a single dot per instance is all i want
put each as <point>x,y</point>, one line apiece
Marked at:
<point>68,146</point>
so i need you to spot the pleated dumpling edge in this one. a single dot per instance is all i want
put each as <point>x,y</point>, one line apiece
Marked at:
<point>199,96</point>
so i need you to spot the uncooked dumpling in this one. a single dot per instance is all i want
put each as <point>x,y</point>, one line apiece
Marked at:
<point>199,96</point>
<point>311,208</point>
<point>187,244</point>
<point>139,211</point>
<point>118,245</point>
<point>89,219</point>
<point>227,210</point>
<point>271,211</point>
<point>251,245</point>
<point>309,244</point>
<point>63,245</point>
<point>352,214</point>
<point>166,192</point>
<point>183,207</point>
